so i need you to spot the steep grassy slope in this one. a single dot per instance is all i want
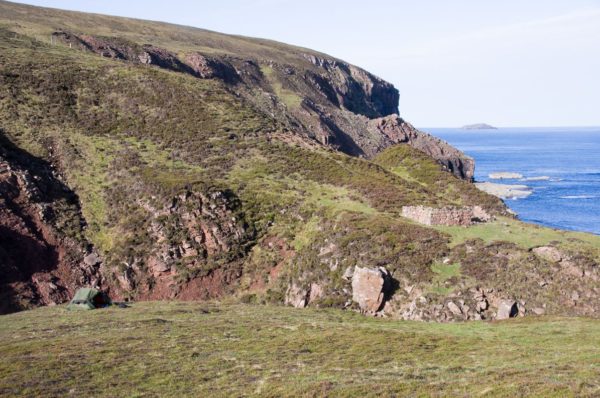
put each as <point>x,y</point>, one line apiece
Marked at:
<point>195,165</point>
<point>184,349</point>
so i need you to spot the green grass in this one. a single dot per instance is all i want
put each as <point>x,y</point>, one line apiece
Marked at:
<point>443,273</point>
<point>288,97</point>
<point>337,199</point>
<point>173,349</point>
<point>418,168</point>
<point>89,178</point>
<point>41,22</point>
<point>306,235</point>
<point>523,234</point>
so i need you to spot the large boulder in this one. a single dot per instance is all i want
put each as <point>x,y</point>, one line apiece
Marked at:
<point>507,309</point>
<point>548,253</point>
<point>296,296</point>
<point>369,288</point>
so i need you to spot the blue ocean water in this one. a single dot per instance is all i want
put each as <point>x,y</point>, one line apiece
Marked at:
<point>570,199</point>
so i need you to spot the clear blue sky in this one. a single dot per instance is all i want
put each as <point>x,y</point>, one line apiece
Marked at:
<point>507,63</point>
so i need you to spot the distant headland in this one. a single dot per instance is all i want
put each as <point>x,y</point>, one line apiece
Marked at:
<point>479,126</point>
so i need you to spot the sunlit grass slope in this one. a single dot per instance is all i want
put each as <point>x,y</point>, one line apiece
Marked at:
<point>190,349</point>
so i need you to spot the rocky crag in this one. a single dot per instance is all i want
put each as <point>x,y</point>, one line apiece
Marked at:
<point>164,162</point>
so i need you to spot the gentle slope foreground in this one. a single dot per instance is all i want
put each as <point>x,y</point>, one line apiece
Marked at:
<point>193,349</point>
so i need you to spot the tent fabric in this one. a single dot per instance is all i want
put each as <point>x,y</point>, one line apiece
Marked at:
<point>89,299</point>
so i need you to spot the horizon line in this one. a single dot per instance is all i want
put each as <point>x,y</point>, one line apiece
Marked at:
<point>513,127</point>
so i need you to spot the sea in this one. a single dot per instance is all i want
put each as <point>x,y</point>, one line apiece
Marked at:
<point>560,165</point>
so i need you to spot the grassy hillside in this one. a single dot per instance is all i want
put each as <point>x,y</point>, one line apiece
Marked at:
<point>188,349</point>
<point>200,183</point>
<point>40,23</point>
<point>122,135</point>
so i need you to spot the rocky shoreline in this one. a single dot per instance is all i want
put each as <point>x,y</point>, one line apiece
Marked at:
<point>505,191</point>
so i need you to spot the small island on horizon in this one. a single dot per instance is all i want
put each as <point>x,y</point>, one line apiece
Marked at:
<point>479,126</point>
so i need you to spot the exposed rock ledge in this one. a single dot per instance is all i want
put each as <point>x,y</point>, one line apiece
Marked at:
<point>504,191</point>
<point>504,175</point>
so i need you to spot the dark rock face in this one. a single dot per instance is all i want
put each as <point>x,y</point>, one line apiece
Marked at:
<point>356,90</point>
<point>162,58</point>
<point>112,47</point>
<point>210,67</point>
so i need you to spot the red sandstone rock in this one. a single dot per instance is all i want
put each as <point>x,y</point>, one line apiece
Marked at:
<point>369,287</point>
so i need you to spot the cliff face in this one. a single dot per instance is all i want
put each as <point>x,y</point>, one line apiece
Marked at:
<point>163,162</point>
<point>337,104</point>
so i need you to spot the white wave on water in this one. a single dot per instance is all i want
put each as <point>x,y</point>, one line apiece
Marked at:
<point>539,178</point>
<point>578,197</point>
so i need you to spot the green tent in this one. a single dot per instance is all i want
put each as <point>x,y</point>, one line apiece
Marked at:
<point>88,299</point>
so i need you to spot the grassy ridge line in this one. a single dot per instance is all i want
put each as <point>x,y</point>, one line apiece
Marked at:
<point>40,22</point>
<point>190,349</point>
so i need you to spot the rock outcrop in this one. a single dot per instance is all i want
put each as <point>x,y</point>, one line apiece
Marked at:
<point>549,253</point>
<point>398,130</point>
<point>354,89</point>
<point>43,259</point>
<point>186,234</point>
<point>505,175</point>
<point>296,296</point>
<point>208,165</point>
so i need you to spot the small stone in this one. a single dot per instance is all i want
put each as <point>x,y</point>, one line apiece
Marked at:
<point>455,309</point>
<point>538,311</point>
<point>296,296</point>
<point>91,259</point>
<point>348,273</point>
<point>575,296</point>
<point>475,316</point>
<point>316,292</point>
<point>548,253</point>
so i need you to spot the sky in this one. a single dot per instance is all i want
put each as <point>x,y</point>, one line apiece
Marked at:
<point>506,63</point>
